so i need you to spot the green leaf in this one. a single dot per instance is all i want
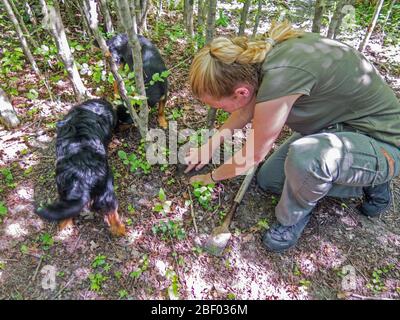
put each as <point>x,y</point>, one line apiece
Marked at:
<point>161,195</point>
<point>122,155</point>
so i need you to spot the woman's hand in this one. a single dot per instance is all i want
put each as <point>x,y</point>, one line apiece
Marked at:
<point>198,157</point>
<point>204,178</point>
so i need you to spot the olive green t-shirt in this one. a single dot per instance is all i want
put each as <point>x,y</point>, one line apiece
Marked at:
<point>339,85</point>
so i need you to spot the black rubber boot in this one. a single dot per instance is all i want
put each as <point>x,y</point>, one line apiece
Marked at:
<point>377,200</point>
<point>279,237</point>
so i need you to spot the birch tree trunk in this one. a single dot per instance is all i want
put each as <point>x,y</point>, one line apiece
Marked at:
<point>30,13</point>
<point>129,22</point>
<point>52,21</point>
<point>8,116</point>
<point>243,17</point>
<point>90,9</point>
<point>318,13</point>
<point>212,10</point>
<point>107,17</point>
<point>257,19</point>
<point>188,16</point>
<point>22,24</point>
<point>22,39</point>
<point>371,26</point>
<point>389,12</point>
<point>143,19</point>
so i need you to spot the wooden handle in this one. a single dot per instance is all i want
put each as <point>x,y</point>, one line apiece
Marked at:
<point>239,196</point>
<point>245,184</point>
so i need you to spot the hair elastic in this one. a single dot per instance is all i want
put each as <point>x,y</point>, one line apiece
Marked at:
<point>270,41</point>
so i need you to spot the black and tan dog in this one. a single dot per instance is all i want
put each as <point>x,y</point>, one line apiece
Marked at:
<point>152,63</point>
<point>83,175</point>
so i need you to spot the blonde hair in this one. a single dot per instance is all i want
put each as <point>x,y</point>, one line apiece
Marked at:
<point>223,63</point>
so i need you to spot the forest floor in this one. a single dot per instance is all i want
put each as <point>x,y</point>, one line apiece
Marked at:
<point>90,264</point>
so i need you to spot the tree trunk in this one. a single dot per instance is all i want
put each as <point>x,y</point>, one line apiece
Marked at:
<point>371,26</point>
<point>257,19</point>
<point>129,22</point>
<point>188,16</point>
<point>30,13</point>
<point>159,9</point>
<point>212,10</point>
<point>69,13</point>
<point>22,39</point>
<point>243,17</point>
<point>318,13</point>
<point>53,22</point>
<point>22,24</point>
<point>107,17</point>
<point>335,19</point>
<point>389,12</point>
<point>143,19</point>
<point>90,7</point>
<point>8,116</point>
<point>200,13</point>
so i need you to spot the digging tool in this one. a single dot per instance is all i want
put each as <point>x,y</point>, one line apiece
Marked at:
<point>217,241</point>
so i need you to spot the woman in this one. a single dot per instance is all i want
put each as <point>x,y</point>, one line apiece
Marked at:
<point>346,121</point>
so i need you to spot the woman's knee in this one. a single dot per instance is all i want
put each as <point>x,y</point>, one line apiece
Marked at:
<point>316,154</point>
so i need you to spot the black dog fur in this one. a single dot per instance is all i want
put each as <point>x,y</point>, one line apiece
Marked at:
<point>152,63</point>
<point>83,175</point>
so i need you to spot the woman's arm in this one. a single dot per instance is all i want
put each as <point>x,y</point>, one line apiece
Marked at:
<point>237,120</point>
<point>269,119</point>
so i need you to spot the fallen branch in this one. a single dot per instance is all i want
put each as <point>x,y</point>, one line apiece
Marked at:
<point>37,268</point>
<point>368,298</point>
<point>192,211</point>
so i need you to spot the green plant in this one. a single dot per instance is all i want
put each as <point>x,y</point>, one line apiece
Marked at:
<point>203,194</point>
<point>61,274</point>
<point>46,240</point>
<point>131,209</point>
<point>8,178</point>
<point>32,94</point>
<point>305,283</point>
<point>3,211</point>
<point>99,261</point>
<point>96,281</point>
<point>263,224</point>
<point>222,116</point>
<point>170,229</point>
<point>231,296</point>
<point>134,162</point>
<point>157,77</point>
<point>12,61</point>
<point>377,283</point>
<point>143,266</point>
<point>222,20</point>
<point>24,249</point>
<point>122,294</point>
<point>197,250</point>
<point>2,265</point>
<point>165,206</point>
<point>175,114</point>
<point>173,289</point>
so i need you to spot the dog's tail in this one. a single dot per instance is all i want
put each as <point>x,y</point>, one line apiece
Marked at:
<point>62,209</point>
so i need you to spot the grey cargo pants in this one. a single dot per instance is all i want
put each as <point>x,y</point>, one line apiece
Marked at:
<point>304,169</point>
